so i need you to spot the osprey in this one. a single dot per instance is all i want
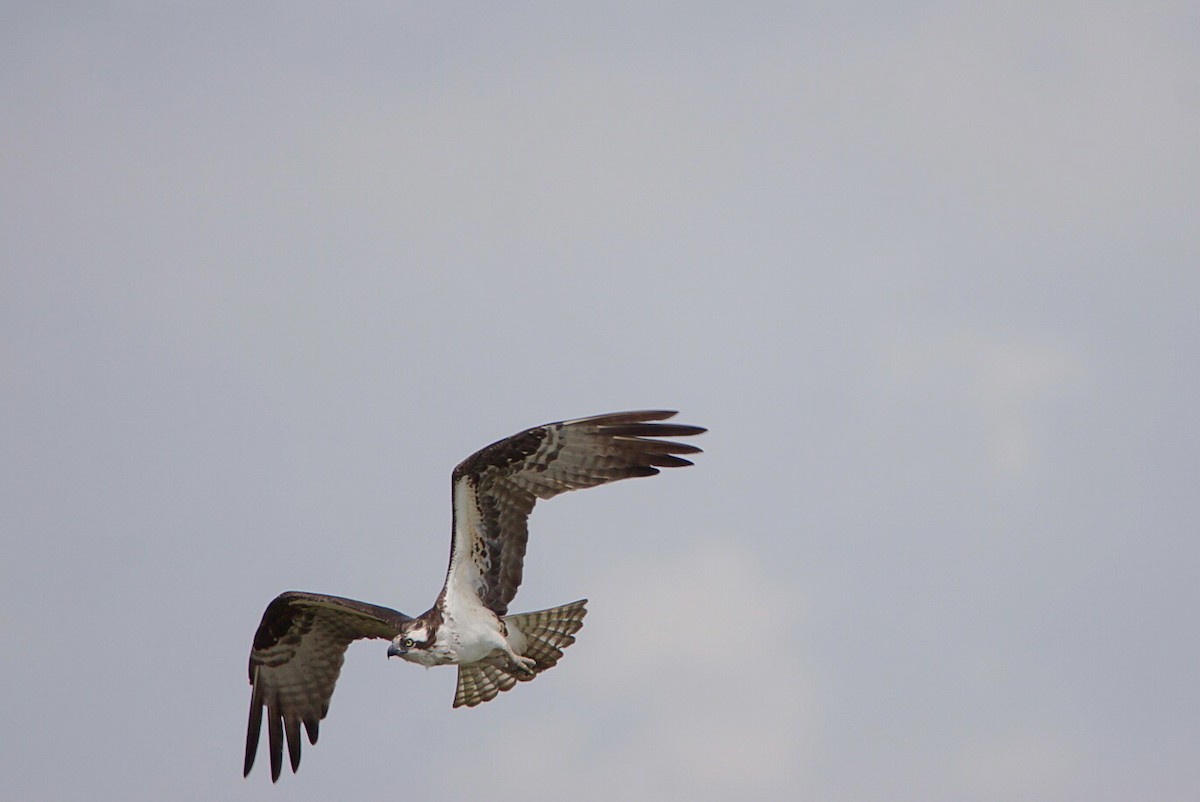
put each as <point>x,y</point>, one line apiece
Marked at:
<point>301,642</point>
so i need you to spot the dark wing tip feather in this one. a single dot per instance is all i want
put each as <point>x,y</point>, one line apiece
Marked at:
<point>613,418</point>
<point>652,430</point>
<point>661,446</point>
<point>275,736</point>
<point>292,729</point>
<point>668,461</point>
<point>253,729</point>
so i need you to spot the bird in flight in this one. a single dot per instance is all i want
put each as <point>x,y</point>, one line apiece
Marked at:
<point>301,642</point>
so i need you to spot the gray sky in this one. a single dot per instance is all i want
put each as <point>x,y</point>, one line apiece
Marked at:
<point>928,271</point>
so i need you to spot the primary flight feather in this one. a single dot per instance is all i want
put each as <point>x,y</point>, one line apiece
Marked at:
<point>301,642</point>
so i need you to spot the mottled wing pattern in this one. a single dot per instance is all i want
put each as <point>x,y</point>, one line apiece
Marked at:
<point>298,652</point>
<point>495,489</point>
<point>543,635</point>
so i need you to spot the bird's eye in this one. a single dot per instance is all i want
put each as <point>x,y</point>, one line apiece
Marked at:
<point>409,643</point>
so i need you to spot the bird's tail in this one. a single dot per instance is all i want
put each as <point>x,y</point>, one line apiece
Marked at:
<point>547,632</point>
<point>540,636</point>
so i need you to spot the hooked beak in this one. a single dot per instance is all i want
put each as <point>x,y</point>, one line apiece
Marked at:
<point>395,651</point>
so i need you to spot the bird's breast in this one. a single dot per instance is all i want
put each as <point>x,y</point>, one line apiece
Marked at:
<point>471,634</point>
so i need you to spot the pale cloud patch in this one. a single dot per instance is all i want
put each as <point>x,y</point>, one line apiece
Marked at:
<point>693,685</point>
<point>1012,380</point>
<point>1008,383</point>
<point>1025,765</point>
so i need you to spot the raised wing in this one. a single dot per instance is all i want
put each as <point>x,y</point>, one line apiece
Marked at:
<point>495,489</point>
<point>298,652</point>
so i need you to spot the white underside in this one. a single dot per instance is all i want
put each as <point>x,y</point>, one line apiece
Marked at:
<point>469,632</point>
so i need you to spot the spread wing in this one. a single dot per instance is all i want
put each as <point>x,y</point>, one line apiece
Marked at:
<point>298,652</point>
<point>495,489</point>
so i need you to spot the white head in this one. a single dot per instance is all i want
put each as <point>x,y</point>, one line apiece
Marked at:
<point>413,642</point>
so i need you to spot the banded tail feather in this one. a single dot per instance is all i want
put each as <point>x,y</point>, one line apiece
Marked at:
<point>542,635</point>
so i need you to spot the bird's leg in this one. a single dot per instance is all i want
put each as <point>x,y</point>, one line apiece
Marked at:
<point>520,664</point>
<point>524,665</point>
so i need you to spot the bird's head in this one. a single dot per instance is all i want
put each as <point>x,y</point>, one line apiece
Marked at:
<point>412,642</point>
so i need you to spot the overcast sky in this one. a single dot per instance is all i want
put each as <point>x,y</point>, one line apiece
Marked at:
<point>927,271</point>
